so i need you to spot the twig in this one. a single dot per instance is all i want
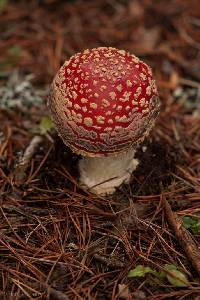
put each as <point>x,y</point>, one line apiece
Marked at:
<point>189,82</point>
<point>20,170</point>
<point>109,261</point>
<point>183,236</point>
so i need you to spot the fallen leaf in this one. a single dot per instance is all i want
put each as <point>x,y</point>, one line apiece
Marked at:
<point>176,277</point>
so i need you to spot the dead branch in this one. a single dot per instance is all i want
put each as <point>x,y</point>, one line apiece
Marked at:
<point>21,168</point>
<point>183,236</point>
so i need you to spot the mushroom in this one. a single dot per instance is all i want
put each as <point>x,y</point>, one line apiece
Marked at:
<point>104,102</point>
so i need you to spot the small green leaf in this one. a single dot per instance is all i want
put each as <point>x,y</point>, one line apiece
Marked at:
<point>188,222</point>
<point>161,275</point>
<point>3,4</point>
<point>173,275</point>
<point>191,223</point>
<point>170,267</point>
<point>15,51</point>
<point>176,278</point>
<point>46,125</point>
<point>196,228</point>
<point>140,271</point>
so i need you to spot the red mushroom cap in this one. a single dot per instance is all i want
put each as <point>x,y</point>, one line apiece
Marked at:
<point>103,101</point>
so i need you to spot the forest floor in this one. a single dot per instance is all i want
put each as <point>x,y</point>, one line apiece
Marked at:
<point>57,241</point>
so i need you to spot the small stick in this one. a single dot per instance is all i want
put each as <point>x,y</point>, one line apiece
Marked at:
<point>109,261</point>
<point>183,236</point>
<point>189,82</point>
<point>21,168</point>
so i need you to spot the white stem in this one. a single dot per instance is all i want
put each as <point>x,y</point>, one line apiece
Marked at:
<point>101,175</point>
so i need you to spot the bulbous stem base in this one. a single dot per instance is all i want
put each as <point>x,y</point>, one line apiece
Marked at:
<point>102,175</point>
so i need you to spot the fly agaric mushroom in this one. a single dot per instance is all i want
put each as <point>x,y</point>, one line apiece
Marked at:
<point>104,102</point>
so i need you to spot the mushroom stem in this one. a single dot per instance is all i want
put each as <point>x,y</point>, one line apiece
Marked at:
<point>102,175</point>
